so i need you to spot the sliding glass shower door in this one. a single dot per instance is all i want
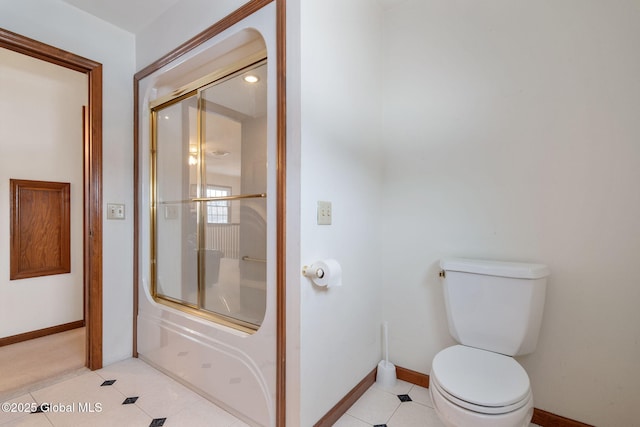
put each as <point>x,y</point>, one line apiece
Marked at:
<point>209,221</point>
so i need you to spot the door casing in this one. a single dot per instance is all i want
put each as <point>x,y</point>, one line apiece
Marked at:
<point>92,179</point>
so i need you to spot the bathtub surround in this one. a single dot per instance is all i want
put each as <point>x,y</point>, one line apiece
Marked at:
<point>233,366</point>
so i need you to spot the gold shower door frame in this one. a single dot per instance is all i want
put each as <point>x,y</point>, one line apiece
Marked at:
<point>194,89</point>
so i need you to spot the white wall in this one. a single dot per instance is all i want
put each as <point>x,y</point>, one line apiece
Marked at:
<point>178,24</point>
<point>50,96</point>
<point>513,132</point>
<point>340,127</point>
<point>58,24</point>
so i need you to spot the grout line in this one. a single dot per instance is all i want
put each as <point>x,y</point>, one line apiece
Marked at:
<point>401,402</point>
<point>359,419</point>
<point>396,397</point>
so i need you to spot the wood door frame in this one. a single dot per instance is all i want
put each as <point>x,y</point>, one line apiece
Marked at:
<point>92,179</point>
<point>233,18</point>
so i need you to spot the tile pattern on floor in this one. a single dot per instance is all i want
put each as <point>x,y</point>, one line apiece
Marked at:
<point>132,393</point>
<point>127,393</point>
<point>404,405</point>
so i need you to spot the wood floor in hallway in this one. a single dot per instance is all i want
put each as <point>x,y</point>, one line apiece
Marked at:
<point>32,364</point>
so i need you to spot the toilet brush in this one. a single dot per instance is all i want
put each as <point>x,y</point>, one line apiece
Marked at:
<point>386,373</point>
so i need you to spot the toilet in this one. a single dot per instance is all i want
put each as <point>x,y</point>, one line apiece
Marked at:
<point>494,310</point>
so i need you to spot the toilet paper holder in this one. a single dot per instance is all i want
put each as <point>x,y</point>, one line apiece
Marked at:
<point>310,271</point>
<point>324,273</point>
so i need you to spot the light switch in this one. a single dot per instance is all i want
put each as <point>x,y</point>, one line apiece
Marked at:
<point>115,211</point>
<point>324,213</point>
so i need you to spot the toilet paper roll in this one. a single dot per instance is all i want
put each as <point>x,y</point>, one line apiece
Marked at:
<point>325,273</point>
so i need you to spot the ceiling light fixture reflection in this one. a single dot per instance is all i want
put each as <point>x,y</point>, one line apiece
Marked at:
<point>219,153</point>
<point>250,78</point>
<point>193,155</point>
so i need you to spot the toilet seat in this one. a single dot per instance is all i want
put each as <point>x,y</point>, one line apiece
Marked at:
<point>486,410</point>
<point>480,380</point>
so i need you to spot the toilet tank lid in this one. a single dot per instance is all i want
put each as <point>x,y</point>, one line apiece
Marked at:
<point>518,270</point>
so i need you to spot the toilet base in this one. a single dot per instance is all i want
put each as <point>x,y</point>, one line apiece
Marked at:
<point>455,416</point>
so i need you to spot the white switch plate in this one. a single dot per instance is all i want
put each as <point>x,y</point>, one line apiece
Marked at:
<point>115,211</point>
<point>324,213</point>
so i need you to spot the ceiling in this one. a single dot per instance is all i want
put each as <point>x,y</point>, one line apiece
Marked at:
<point>134,15</point>
<point>130,15</point>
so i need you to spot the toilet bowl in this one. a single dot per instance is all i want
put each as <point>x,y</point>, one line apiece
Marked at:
<point>494,310</point>
<point>473,387</point>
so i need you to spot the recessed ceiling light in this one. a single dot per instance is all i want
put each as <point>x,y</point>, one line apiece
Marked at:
<point>250,78</point>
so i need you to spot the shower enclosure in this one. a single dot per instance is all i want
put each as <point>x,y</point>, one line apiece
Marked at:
<point>206,311</point>
<point>209,190</point>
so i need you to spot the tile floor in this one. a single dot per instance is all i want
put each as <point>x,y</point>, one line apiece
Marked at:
<point>384,407</point>
<point>405,405</point>
<point>132,393</point>
<point>139,396</point>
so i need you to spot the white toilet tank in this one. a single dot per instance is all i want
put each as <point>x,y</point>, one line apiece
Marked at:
<point>493,305</point>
